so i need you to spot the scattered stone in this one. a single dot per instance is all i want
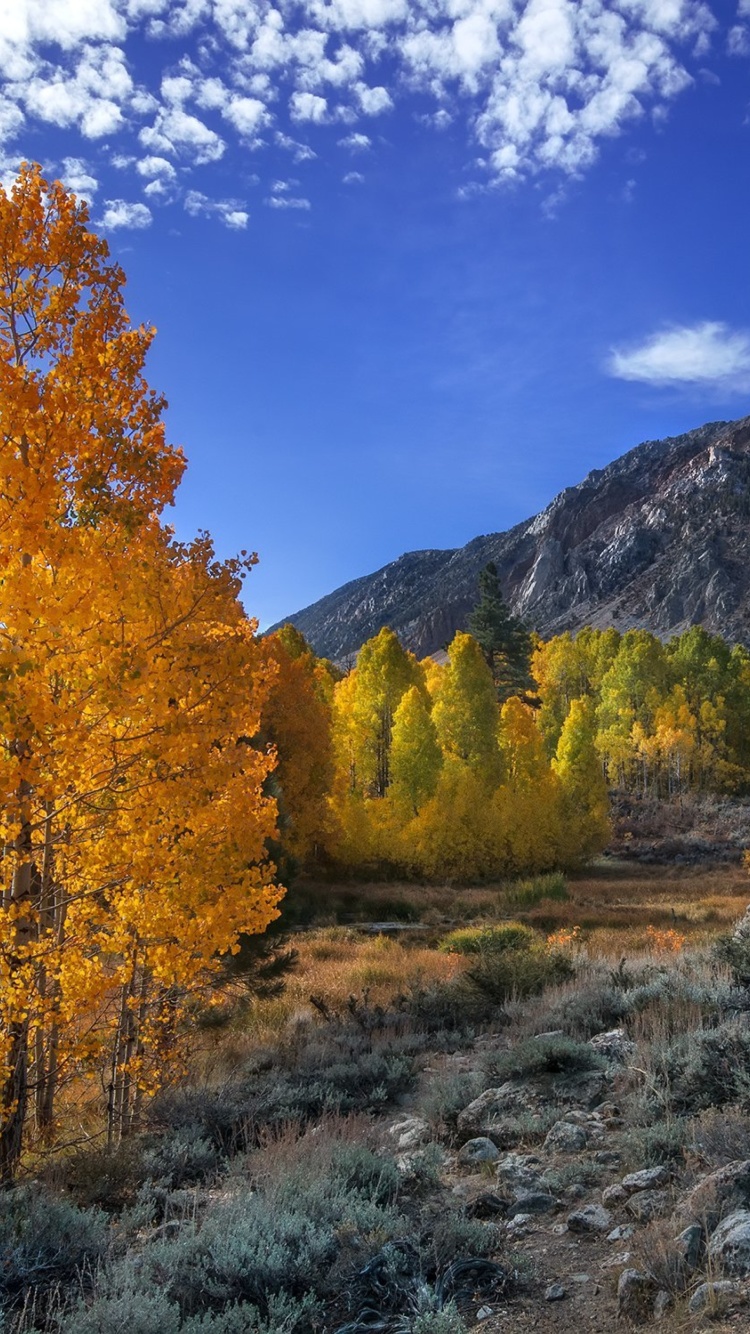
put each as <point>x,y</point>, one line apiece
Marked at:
<point>484,1313</point>
<point>662,1303</point>
<point>726,1189</point>
<point>582,1086</point>
<point>580,1278</point>
<point>566,1137</point>
<point>607,1157</point>
<point>636,1293</point>
<point>532,1202</point>
<point>730,1244</point>
<point>576,1191</point>
<point>614,1195</point>
<point>647,1179</point>
<point>488,1205</point>
<point>409,1133</point>
<point>614,1045</point>
<point>621,1233</point>
<point>713,1296</point>
<point>689,1245</point>
<point>520,1170</point>
<point>591,1218</point>
<point>491,1114</point>
<point>480,1150</point>
<point>555,1293</point>
<point>619,1261</point>
<point>518,1226</point>
<point>648,1204</point>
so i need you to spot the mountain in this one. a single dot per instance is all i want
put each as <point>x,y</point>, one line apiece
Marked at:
<point>659,539</point>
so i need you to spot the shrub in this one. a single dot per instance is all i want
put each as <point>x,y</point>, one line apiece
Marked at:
<point>542,1056</point>
<point>709,1068</point>
<point>528,893</point>
<point>446,1098</point>
<point>46,1241</point>
<point>593,1007</point>
<point>649,1145</point>
<point>720,1135</point>
<point>489,939</point>
<point>516,973</point>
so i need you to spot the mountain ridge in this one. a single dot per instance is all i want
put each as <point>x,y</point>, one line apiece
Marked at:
<point>657,538</point>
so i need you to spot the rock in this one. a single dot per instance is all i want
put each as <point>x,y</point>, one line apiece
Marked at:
<point>622,1233</point>
<point>533,1202</point>
<point>730,1244</point>
<point>648,1204</point>
<point>484,1313</point>
<point>719,1193</point>
<point>607,1158</point>
<point>519,1170</point>
<point>619,1261</point>
<point>689,1245</point>
<point>491,1113</point>
<point>409,1133</point>
<point>565,1137</point>
<point>662,1303</point>
<point>614,1045</point>
<point>591,1218</point>
<point>488,1205</point>
<point>636,1293</point>
<point>583,1086</point>
<point>713,1296</point>
<point>479,1150</point>
<point>647,1179</point>
<point>614,1195</point>
<point>576,1191</point>
<point>555,1293</point>
<point>580,1278</point>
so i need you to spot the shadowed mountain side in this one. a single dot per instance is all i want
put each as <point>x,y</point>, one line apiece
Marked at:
<point>658,539</point>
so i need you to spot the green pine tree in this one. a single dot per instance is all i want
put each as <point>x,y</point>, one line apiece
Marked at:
<point>502,637</point>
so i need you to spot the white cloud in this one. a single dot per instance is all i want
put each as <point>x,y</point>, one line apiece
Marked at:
<point>156,166</point>
<point>248,115</point>
<point>77,176</point>
<point>287,201</point>
<point>707,354</point>
<point>308,106</point>
<point>119,213</point>
<point>228,211</point>
<point>353,178</point>
<point>540,84</point>
<point>358,143</point>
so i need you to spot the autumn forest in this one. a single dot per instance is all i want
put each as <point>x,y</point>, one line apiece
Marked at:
<point>166,770</point>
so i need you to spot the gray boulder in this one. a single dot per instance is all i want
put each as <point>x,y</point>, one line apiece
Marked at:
<point>648,1204</point>
<point>591,1218</point>
<point>647,1179</point>
<point>480,1150</point>
<point>614,1045</point>
<point>719,1193</point>
<point>714,1297</point>
<point>729,1246</point>
<point>491,1114</point>
<point>636,1295</point>
<point>565,1137</point>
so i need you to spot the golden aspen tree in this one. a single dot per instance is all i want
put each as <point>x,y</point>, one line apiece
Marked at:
<point>384,672</point>
<point>297,721</point>
<point>527,806</point>
<point>465,711</point>
<point>584,796</point>
<point>133,816</point>
<point>416,758</point>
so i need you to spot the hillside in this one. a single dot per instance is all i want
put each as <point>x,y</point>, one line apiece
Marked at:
<point>657,539</point>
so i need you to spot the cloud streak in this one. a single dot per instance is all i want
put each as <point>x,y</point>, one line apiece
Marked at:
<point>708,355</point>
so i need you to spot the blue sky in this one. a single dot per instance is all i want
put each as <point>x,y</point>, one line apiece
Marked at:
<point>415,267</point>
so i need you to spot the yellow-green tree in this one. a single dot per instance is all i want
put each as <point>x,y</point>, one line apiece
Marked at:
<point>465,711</point>
<point>416,758</point>
<point>584,795</point>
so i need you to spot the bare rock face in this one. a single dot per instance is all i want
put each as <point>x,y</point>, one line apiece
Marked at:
<point>658,539</point>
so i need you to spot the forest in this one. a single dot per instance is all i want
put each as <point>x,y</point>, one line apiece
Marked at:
<point>165,769</point>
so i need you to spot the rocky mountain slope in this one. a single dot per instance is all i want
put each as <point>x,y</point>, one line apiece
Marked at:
<point>658,539</point>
